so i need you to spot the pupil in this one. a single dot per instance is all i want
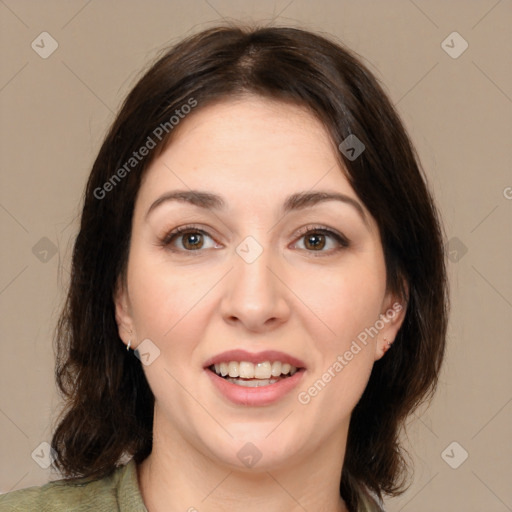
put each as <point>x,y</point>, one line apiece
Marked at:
<point>195,244</point>
<point>319,239</point>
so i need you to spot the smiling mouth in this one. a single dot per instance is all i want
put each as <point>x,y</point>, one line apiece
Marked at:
<point>251,375</point>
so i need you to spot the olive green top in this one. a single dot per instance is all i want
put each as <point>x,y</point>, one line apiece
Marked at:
<point>117,492</point>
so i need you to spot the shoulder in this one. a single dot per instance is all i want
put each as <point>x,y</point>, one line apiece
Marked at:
<point>116,492</point>
<point>371,503</point>
<point>61,495</point>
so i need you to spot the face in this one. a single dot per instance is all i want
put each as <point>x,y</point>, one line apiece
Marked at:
<point>287,280</point>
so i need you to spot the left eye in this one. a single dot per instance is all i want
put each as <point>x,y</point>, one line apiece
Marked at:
<point>316,239</point>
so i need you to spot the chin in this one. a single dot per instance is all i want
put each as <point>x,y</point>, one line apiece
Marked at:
<point>254,452</point>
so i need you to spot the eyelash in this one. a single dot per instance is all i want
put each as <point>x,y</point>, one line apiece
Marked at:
<point>311,229</point>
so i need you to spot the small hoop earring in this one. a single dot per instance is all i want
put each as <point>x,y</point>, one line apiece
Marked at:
<point>387,346</point>
<point>128,346</point>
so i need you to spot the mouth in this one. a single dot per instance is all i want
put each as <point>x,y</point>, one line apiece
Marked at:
<point>250,375</point>
<point>254,369</point>
<point>254,378</point>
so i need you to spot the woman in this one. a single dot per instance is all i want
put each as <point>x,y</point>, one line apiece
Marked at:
<point>257,228</point>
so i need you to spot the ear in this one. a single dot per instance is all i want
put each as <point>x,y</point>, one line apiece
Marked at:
<point>392,316</point>
<point>124,319</point>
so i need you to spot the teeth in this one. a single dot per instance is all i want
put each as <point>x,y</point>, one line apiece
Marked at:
<point>233,369</point>
<point>224,369</point>
<point>245,370</point>
<point>276,368</point>
<point>262,370</point>
<point>255,383</point>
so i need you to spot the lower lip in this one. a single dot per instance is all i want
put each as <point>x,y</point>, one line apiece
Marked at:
<point>262,395</point>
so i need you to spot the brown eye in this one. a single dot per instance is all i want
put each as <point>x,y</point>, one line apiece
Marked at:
<point>316,239</point>
<point>192,240</point>
<point>186,239</point>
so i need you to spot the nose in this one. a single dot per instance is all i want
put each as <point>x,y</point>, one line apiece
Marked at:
<point>256,295</point>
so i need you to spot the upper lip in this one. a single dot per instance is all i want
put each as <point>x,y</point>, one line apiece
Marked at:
<point>254,357</point>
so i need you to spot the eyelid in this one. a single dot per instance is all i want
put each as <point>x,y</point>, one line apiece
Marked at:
<point>318,228</point>
<point>181,230</point>
<point>342,241</point>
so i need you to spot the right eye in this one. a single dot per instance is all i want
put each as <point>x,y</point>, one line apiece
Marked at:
<point>190,238</point>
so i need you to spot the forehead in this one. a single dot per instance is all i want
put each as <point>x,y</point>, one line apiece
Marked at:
<point>249,147</point>
<point>244,124</point>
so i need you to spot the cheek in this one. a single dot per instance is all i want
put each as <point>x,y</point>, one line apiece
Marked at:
<point>347,299</point>
<point>173,309</point>
<point>162,297</point>
<point>153,303</point>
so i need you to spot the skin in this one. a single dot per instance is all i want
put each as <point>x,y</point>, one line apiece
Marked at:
<point>192,305</point>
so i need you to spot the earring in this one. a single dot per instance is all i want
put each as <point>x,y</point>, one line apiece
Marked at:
<point>387,345</point>
<point>128,346</point>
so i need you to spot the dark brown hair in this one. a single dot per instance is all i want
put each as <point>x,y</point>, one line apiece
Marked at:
<point>109,405</point>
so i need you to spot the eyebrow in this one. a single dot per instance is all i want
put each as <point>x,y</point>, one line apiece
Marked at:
<point>297,201</point>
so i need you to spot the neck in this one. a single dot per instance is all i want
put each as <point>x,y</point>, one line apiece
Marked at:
<point>176,476</point>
